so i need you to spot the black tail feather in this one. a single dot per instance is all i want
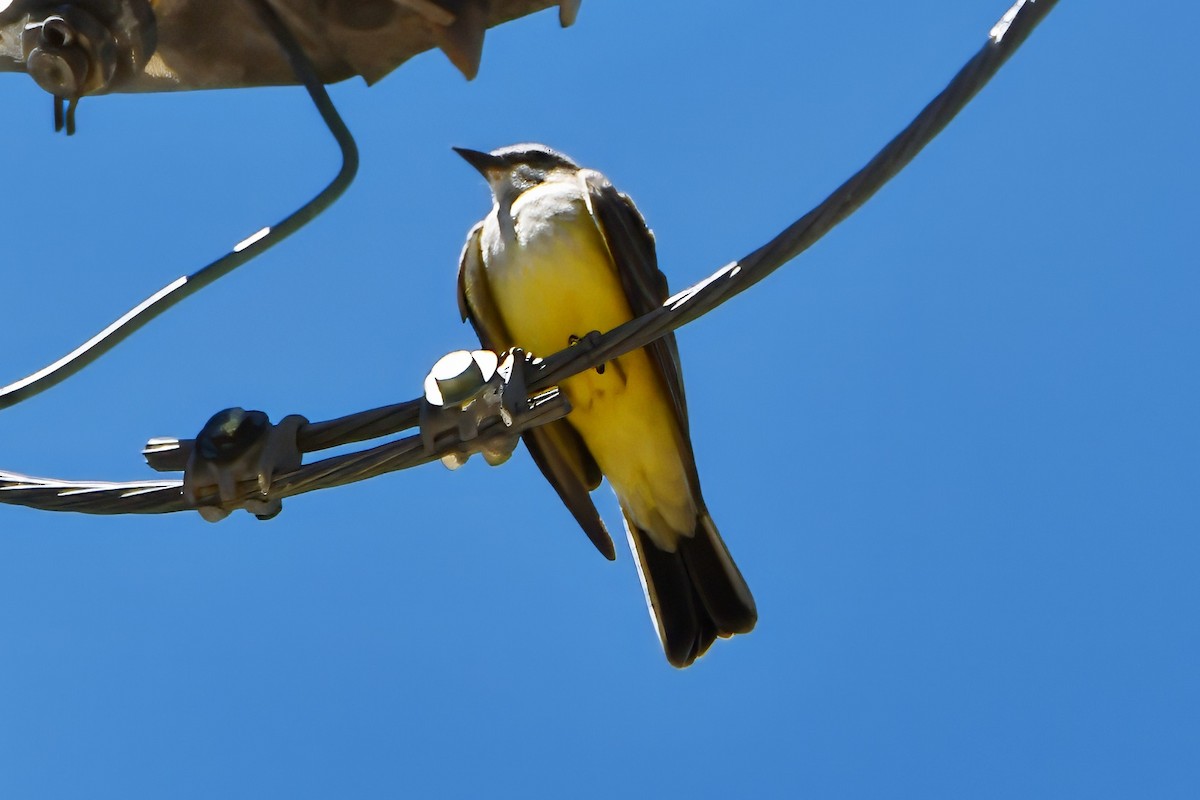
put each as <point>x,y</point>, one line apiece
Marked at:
<point>718,581</point>
<point>695,594</point>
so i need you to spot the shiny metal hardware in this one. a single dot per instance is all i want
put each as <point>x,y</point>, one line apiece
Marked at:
<point>81,48</point>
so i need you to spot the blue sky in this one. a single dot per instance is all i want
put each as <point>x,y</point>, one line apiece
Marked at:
<point>963,489</point>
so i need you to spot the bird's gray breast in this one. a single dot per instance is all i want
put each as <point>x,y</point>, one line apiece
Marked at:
<point>546,227</point>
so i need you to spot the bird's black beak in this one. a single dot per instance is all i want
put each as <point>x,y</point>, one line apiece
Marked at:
<point>486,163</point>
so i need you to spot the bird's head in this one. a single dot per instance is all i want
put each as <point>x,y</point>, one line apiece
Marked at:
<point>513,169</point>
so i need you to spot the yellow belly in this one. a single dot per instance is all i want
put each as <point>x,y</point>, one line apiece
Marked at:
<point>556,280</point>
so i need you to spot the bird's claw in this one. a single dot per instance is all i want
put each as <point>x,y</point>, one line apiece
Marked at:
<point>237,446</point>
<point>591,339</point>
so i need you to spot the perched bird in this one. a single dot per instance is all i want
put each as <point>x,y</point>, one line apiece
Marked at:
<point>561,254</point>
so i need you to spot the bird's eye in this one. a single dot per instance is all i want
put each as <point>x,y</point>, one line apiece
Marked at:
<point>528,176</point>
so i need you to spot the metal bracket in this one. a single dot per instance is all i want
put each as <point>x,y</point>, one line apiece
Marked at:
<point>84,47</point>
<point>235,446</point>
<point>483,400</point>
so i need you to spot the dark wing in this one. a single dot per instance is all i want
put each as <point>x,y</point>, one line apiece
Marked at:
<point>631,245</point>
<point>556,448</point>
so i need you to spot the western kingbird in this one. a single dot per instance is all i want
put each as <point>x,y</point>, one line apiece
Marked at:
<point>562,254</point>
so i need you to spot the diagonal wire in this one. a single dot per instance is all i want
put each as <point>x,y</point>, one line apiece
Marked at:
<point>138,497</point>
<point>1003,40</point>
<point>258,243</point>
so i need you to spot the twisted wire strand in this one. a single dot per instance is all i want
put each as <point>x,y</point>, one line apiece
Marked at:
<point>151,497</point>
<point>1004,39</point>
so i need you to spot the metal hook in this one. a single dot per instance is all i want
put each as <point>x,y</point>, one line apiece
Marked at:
<point>244,251</point>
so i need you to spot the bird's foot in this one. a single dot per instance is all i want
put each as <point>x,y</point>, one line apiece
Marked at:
<point>590,339</point>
